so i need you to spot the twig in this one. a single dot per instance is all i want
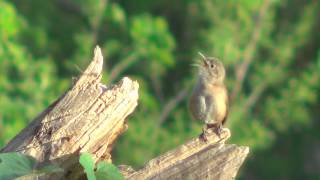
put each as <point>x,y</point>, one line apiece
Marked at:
<point>97,21</point>
<point>172,104</point>
<point>157,86</point>
<point>121,66</point>
<point>254,96</point>
<point>241,72</point>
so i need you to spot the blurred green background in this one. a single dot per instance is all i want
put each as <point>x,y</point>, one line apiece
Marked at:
<point>271,50</point>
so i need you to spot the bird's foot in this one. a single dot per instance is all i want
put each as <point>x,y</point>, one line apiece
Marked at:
<point>203,136</point>
<point>218,130</point>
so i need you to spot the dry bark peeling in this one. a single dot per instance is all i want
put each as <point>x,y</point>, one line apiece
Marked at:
<point>90,116</point>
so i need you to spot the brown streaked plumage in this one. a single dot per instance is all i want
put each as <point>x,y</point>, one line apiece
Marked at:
<point>209,99</point>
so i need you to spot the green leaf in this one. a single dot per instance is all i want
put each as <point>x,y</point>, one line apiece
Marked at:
<point>108,171</point>
<point>118,13</point>
<point>88,164</point>
<point>9,21</point>
<point>14,165</point>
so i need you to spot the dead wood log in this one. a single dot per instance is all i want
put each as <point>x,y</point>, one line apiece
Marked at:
<point>90,116</point>
<point>194,160</point>
<point>87,118</point>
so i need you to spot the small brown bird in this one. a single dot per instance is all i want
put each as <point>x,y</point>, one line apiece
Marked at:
<point>209,99</point>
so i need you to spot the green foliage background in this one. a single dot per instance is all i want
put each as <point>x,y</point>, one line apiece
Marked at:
<point>274,110</point>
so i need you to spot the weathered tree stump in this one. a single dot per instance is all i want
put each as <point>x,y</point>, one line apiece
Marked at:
<point>90,116</point>
<point>195,160</point>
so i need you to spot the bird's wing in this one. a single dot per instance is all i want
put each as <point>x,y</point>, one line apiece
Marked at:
<point>210,110</point>
<point>197,106</point>
<point>202,106</point>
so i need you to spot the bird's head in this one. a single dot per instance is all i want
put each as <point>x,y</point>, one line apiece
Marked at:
<point>211,69</point>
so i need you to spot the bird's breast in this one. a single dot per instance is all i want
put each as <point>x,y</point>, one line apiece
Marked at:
<point>220,96</point>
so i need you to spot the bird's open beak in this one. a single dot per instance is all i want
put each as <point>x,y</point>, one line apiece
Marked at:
<point>204,59</point>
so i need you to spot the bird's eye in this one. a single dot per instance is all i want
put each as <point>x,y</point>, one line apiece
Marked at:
<point>212,66</point>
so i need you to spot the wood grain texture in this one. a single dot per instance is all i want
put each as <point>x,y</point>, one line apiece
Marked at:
<point>195,160</point>
<point>87,118</point>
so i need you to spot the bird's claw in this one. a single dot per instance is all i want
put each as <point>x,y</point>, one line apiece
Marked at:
<point>218,131</point>
<point>203,136</point>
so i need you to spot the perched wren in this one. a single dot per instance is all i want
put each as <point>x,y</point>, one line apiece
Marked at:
<point>209,99</point>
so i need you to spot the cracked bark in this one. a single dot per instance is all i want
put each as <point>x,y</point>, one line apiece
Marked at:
<point>90,116</point>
